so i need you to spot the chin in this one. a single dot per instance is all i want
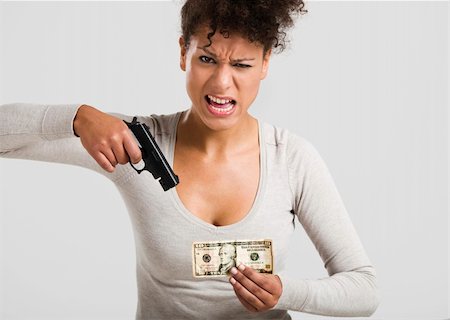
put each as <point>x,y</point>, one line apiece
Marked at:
<point>219,123</point>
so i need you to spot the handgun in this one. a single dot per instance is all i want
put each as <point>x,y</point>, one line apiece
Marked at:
<point>154,159</point>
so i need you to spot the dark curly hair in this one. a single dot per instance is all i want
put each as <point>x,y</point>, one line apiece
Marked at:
<point>260,21</point>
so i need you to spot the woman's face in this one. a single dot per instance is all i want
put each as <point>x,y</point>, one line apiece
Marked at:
<point>223,79</point>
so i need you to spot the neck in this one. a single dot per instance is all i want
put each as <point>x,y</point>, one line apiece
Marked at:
<point>193,133</point>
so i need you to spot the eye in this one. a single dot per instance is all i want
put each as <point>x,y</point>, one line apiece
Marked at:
<point>206,59</point>
<point>241,65</point>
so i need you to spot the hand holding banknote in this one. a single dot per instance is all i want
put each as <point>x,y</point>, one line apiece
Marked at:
<point>253,281</point>
<point>256,291</point>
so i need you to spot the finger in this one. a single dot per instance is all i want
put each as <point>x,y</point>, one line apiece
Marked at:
<point>247,305</point>
<point>250,301</point>
<point>262,280</point>
<point>103,162</point>
<point>262,295</point>
<point>109,154</point>
<point>132,149</point>
<point>120,154</point>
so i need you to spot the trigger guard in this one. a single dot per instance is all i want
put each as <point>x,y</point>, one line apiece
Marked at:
<point>140,163</point>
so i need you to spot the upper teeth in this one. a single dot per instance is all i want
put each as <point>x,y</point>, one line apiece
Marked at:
<point>217,100</point>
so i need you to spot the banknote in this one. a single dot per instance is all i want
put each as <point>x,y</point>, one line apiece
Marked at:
<point>213,259</point>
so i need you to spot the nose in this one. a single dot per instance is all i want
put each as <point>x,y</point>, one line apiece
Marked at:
<point>223,77</point>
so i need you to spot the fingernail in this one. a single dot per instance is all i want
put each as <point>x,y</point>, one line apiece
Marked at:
<point>233,270</point>
<point>232,280</point>
<point>241,267</point>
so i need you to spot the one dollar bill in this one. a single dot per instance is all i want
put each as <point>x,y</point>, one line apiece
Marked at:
<point>213,259</point>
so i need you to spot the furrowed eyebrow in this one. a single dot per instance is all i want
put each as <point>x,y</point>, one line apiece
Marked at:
<point>207,51</point>
<point>243,59</point>
<point>233,60</point>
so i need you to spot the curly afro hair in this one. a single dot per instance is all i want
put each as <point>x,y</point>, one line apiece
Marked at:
<point>260,21</point>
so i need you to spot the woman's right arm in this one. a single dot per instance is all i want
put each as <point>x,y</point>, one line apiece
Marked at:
<point>49,133</point>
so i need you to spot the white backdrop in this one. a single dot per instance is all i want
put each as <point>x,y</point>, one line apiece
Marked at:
<point>365,82</point>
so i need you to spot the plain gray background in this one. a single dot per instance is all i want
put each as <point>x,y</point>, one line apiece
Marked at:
<point>365,82</point>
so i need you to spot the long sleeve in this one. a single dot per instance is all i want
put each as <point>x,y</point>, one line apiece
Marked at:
<point>351,288</point>
<point>44,133</point>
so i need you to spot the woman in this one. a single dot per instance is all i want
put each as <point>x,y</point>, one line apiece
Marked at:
<point>239,178</point>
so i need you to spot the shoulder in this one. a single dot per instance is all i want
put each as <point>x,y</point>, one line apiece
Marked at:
<point>165,123</point>
<point>294,146</point>
<point>161,124</point>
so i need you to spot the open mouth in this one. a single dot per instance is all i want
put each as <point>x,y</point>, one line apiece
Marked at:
<point>220,106</point>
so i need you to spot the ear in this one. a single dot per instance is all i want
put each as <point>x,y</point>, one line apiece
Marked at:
<point>182,53</point>
<point>265,65</point>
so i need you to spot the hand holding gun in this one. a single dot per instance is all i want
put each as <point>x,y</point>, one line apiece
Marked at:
<point>154,160</point>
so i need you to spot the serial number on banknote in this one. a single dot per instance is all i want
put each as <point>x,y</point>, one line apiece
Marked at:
<point>216,258</point>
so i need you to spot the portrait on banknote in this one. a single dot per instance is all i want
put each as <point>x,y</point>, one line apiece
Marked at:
<point>227,254</point>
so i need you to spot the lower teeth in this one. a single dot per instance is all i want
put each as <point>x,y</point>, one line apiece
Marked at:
<point>222,110</point>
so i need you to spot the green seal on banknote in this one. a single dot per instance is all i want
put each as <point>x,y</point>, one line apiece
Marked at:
<point>254,256</point>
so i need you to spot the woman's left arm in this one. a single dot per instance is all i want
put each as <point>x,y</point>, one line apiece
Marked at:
<point>351,288</point>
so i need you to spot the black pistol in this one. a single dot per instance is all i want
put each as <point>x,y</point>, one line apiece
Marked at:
<point>154,160</point>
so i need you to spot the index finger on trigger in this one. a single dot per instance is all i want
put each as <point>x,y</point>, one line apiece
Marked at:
<point>132,149</point>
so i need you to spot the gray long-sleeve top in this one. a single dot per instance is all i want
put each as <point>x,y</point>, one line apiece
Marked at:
<point>295,186</point>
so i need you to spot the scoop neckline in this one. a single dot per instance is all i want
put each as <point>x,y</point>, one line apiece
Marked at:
<point>259,193</point>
